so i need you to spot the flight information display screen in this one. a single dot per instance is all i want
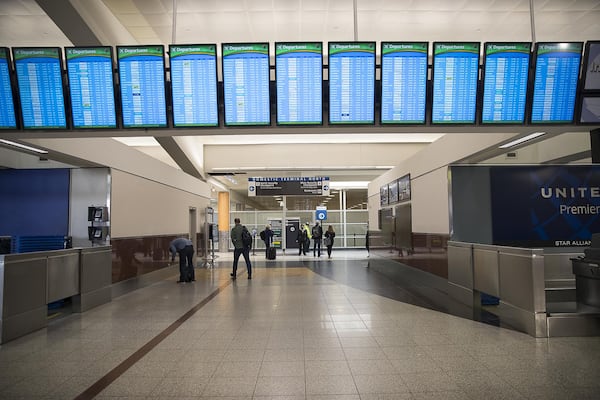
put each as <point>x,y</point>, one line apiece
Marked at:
<point>555,82</point>
<point>299,80</point>
<point>455,76</point>
<point>39,80</point>
<point>352,83</point>
<point>8,118</point>
<point>403,82</point>
<point>194,85</point>
<point>142,81</point>
<point>91,87</point>
<point>505,83</point>
<point>246,84</point>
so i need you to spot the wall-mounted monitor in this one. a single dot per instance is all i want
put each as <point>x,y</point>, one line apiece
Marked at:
<point>591,69</point>
<point>91,87</point>
<point>555,82</point>
<point>455,77</point>
<point>142,83</point>
<point>590,109</point>
<point>505,79</point>
<point>351,83</point>
<point>194,85</point>
<point>40,85</point>
<point>393,192</point>
<point>403,82</point>
<point>246,79</point>
<point>383,195</point>
<point>299,81</point>
<point>8,118</point>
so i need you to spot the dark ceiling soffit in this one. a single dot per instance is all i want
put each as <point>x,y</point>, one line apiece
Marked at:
<point>173,149</point>
<point>69,22</point>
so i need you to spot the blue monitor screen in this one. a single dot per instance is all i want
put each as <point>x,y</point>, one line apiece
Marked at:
<point>455,76</point>
<point>91,87</point>
<point>8,119</point>
<point>246,84</point>
<point>142,81</point>
<point>299,78</point>
<point>403,82</point>
<point>555,82</point>
<point>39,80</point>
<point>505,83</point>
<point>194,85</point>
<point>352,83</point>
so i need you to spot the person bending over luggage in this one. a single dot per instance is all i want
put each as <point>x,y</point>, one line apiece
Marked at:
<point>185,248</point>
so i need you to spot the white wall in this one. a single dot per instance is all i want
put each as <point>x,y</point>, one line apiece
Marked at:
<point>89,187</point>
<point>429,182</point>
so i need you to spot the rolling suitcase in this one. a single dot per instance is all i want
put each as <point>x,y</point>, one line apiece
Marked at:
<point>271,253</point>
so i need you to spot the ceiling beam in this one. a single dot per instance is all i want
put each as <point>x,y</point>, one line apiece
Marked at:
<point>68,20</point>
<point>179,156</point>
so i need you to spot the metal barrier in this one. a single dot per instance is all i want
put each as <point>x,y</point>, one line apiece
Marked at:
<point>30,281</point>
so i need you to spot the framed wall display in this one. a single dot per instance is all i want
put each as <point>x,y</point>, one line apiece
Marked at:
<point>383,195</point>
<point>8,118</point>
<point>393,192</point>
<point>404,188</point>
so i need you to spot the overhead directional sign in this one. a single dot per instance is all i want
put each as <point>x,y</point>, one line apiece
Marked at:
<point>289,186</point>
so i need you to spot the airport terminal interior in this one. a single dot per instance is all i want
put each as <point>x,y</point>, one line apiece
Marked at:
<point>376,320</point>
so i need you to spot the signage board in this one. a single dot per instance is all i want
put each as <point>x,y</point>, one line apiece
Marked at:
<point>288,186</point>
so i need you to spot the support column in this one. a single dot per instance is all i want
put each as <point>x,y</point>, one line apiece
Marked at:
<point>223,208</point>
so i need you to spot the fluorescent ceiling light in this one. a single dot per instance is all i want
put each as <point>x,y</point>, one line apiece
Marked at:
<point>22,146</point>
<point>522,140</point>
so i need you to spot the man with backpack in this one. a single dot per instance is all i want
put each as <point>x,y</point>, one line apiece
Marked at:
<point>317,235</point>
<point>267,236</point>
<point>242,242</point>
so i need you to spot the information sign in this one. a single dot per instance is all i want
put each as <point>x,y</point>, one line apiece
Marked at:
<point>91,87</point>
<point>403,82</point>
<point>288,186</point>
<point>40,84</point>
<point>8,118</point>
<point>505,83</point>
<point>352,83</point>
<point>246,84</point>
<point>142,82</point>
<point>194,85</point>
<point>555,83</point>
<point>455,76</point>
<point>299,80</point>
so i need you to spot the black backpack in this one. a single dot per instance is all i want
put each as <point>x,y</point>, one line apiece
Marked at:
<point>246,238</point>
<point>262,235</point>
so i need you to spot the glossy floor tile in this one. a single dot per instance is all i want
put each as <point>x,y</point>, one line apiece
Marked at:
<point>302,328</point>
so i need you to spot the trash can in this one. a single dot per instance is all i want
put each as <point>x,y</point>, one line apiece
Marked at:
<point>587,281</point>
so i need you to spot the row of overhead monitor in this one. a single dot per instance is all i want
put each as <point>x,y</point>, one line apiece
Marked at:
<point>520,83</point>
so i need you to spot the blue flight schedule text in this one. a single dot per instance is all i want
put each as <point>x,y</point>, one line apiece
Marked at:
<point>7,108</point>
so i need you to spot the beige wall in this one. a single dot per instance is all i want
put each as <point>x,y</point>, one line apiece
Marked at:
<point>141,207</point>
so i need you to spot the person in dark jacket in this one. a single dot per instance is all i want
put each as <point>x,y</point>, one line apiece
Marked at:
<point>239,249</point>
<point>317,235</point>
<point>185,249</point>
<point>329,235</point>
<point>268,234</point>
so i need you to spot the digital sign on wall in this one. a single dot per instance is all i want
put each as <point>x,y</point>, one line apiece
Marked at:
<point>352,83</point>
<point>455,77</point>
<point>505,83</point>
<point>40,84</point>
<point>555,82</point>
<point>299,81</point>
<point>246,84</point>
<point>194,85</point>
<point>142,82</point>
<point>403,82</point>
<point>8,119</point>
<point>91,87</point>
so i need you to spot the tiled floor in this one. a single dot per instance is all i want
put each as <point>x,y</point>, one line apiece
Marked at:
<point>289,333</point>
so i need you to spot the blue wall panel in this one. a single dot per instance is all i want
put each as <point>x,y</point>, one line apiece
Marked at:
<point>34,202</point>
